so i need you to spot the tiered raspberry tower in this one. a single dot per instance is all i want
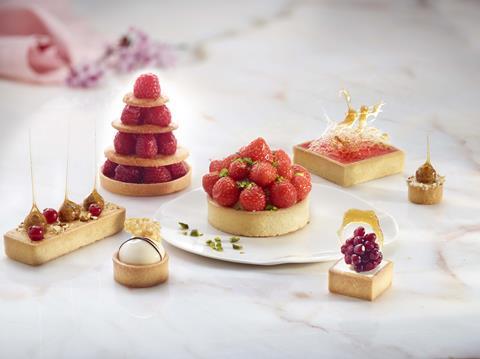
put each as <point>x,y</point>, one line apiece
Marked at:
<point>145,159</point>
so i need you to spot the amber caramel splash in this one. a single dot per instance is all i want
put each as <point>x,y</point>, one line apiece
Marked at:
<point>354,138</point>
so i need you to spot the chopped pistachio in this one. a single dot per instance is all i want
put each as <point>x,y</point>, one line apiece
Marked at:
<point>183,226</point>
<point>270,207</point>
<point>236,246</point>
<point>218,247</point>
<point>196,233</point>
<point>223,172</point>
<point>218,239</point>
<point>234,239</point>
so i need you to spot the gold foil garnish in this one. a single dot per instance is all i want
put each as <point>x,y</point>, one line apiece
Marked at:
<point>143,227</point>
<point>362,216</point>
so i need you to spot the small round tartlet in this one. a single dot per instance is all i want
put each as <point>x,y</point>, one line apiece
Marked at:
<point>146,189</point>
<point>259,223</point>
<point>149,273</point>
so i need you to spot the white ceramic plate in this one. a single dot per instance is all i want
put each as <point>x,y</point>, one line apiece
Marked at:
<point>316,242</point>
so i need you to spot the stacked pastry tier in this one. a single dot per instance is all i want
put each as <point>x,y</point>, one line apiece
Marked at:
<point>145,159</point>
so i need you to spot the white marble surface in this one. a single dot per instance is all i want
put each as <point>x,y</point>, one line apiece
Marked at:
<point>265,68</point>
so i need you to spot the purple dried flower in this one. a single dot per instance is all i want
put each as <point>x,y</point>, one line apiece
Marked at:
<point>133,51</point>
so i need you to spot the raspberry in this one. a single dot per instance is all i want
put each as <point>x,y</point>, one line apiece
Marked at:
<point>147,86</point>
<point>156,175</point>
<point>131,115</point>
<point>215,166</point>
<point>50,215</point>
<point>300,169</point>
<point>302,185</point>
<point>35,233</point>
<point>257,150</point>
<point>283,164</point>
<point>361,251</point>
<point>253,198</point>
<point>208,181</point>
<point>95,209</point>
<point>238,169</point>
<point>229,159</point>
<point>159,116</point>
<point>166,143</point>
<point>130,174</point>
<point>225,192</point>
<point>124,143</point>
<point>283,194</point>
<point>281,155</point>
<point>108,168</point>
<point>178,170</point>
<point>146,146</point>
<point>263,173</point>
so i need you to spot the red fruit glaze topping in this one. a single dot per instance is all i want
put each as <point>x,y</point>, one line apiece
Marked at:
<point>283,194</point>
<point>166,143</point>
<point>124,143</point>
<point>225,192</point>
<point>156,175</point>
<point>131,115</point>
<point>50,215</point>
<point>159,116</point>
<point>35,233</point>
<point>361,251</point>
<point>208,181</point>
<point>108,168</point>
<point>129,174</point>
<point>178,169</point>
<point>146,146</point>
<point>253,198</point>
<point>263,173</point>
<point>95,209</point>
<point>147,86</point>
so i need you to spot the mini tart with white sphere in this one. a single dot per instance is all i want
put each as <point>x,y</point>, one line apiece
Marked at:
<point>257,192</point>
<point>140,261</point>
<point>426,187</point>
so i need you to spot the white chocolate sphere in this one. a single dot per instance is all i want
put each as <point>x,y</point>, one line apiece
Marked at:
<point>140,252</point>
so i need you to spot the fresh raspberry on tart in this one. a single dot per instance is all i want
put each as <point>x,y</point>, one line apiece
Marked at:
<point>226,192</point>
<point>147,86</point>
<point>209,180</point>
<point>166,143</point>
<point>257,150</point>
<point>239,169</point>
<point>146,146</point>
<point>108,168</point>
<point>131,115</point>
<point>252,198</point>
<point>283,194</point>
<point>156,174</point>
<point>178,170</point>
<point>302,185</point>
<point>129,174</point>
<point>260,184</point>
<point>124,143</point>
<point>263,173</point>
<point>159,116</point>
